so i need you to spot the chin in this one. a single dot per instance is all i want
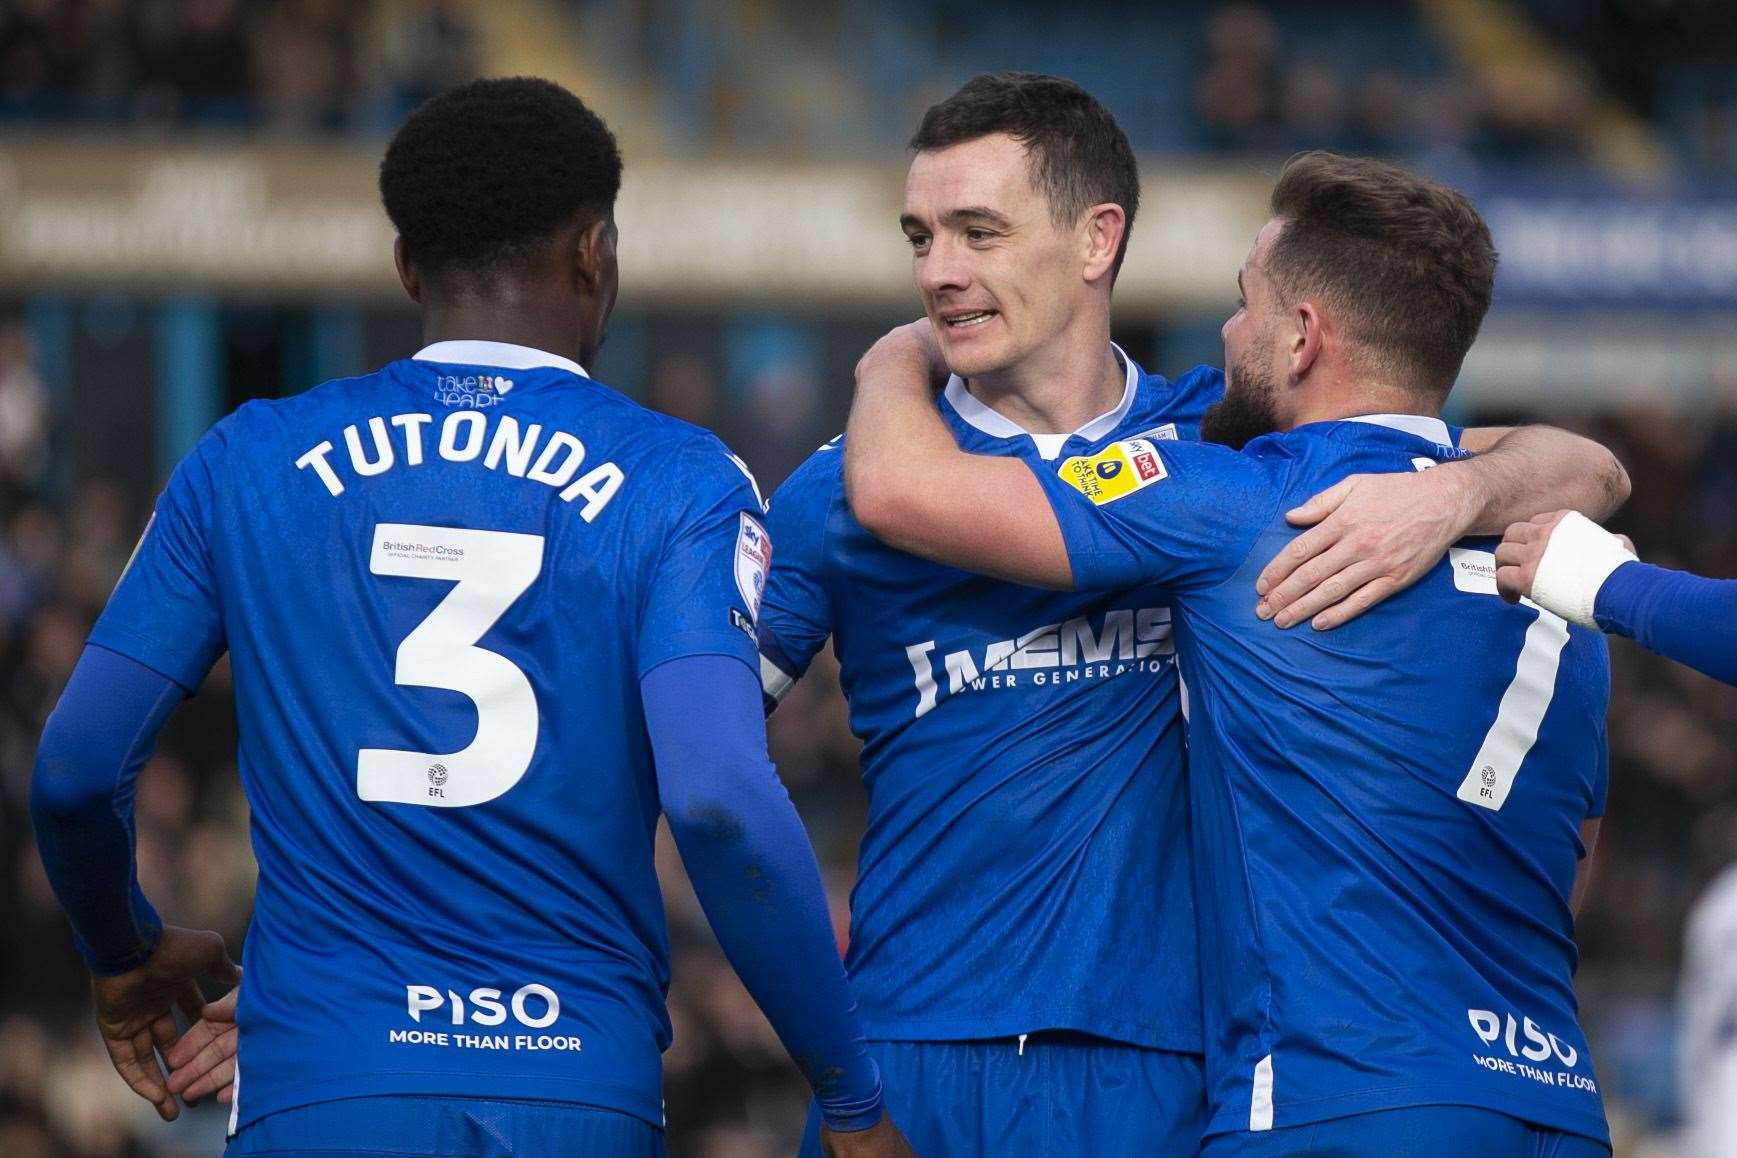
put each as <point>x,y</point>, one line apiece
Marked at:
<point>973,359</point>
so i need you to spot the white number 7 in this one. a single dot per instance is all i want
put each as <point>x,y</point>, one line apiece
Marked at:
<point>491,569</point>
<point>1520,715</point>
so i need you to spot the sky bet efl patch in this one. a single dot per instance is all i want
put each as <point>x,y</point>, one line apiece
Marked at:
<point>1119,469</point>
<point>753,561</point>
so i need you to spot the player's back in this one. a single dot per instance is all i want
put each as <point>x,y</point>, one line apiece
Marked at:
<point>433,584</point>
<point>1389,818</point>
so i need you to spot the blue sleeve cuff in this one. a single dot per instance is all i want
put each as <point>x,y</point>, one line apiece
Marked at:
<point>850,1117</point>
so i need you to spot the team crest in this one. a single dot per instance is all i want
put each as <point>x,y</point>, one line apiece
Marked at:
<point>1119,469</point>
<point>753,561</point>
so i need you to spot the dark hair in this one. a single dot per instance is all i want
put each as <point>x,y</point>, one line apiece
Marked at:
<point>1080,156</point>
<point>480,174</point>
<point>1406,261</point>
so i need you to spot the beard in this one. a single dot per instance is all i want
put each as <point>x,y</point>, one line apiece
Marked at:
<point>1248,409</point>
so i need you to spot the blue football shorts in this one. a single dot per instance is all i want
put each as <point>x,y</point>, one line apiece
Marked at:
<point>1054,1094</point>
<point>376,1127</point>
<point>1411,1132</point>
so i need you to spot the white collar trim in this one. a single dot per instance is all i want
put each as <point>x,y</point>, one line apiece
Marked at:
<point>472,352</point>
<point>1433,429</point>
<point>997,425</point>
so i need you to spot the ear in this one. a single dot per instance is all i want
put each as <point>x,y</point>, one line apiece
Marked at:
<point>1106,225</point>
<point>589,253</point>
<point>407,275</point>
<point>1306,339</point>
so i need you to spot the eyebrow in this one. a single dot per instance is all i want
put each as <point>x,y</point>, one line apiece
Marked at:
<point>968,214</point>
<point>959,218</point>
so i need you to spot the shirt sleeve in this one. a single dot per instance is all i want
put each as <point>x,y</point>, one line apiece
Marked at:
<point>754,873</point>
<point>1179,515</point>
<point>81,803</point>
<point>1684,617</point>
<point>1601,778</point>
<point>165,612</point>
<point>796,617</point>
<point>704,597</point>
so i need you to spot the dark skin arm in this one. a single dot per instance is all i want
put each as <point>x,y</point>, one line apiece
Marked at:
<point>135,1011</point>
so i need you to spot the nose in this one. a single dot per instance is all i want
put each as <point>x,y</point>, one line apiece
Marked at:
<point>943,269</point>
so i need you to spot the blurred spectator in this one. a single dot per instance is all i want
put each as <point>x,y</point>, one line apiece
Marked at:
<point>287,65</point>
<point>23,411</point>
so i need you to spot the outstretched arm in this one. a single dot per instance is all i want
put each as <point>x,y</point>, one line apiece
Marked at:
<point>1374,535</point>
<point>1569,565</point>
<point>911,486</point>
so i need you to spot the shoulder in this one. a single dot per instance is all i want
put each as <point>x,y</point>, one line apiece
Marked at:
<point>1189,397</point>
<point>1219,485</point>
<point>686,455</point>
<point>816,481</point>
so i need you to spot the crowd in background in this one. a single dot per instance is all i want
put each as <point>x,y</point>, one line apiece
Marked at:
<point>1188,74</point>
<point>731,1094</point>
<point>1278,75</point>
<point>283,65</point>
<point>795,76</point>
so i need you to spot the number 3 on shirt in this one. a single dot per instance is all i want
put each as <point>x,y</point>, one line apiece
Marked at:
<point>489,570</point>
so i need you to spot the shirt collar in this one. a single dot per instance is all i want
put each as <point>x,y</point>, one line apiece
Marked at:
<point>472,352</point>
<point>1432,429</point>
<point>997,425</point>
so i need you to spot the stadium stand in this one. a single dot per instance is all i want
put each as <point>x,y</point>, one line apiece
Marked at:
<point>1606,91</point>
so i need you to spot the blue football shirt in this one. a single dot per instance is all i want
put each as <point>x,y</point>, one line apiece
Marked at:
<point>438,586</point>
<point>1387,815</point>
<point>1025,863</point>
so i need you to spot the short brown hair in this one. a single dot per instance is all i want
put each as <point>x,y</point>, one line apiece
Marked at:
<point>1406,261</point>
<point>1079,155</point>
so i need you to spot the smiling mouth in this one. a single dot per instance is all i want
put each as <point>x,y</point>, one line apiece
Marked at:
<point>967,320</point>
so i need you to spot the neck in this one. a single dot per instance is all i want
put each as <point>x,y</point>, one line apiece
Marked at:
<point>521,323</point>
<point>1059,389</point>
<point>1354,397</point>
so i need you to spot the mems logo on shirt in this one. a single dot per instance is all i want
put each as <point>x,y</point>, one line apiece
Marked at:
<point>1119,469</point>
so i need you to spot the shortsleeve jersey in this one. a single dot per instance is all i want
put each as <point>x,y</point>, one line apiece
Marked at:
<point>1025,864</point>
<point>438,586</point>
<point>1388,814</point>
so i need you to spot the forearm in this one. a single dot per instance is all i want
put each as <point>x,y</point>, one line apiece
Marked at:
<point>81,803</point>
<point>893,425</point>
<point>1532,469</point>
<point>754,873</point>
<point>1683,617</point>
<point>911,486</point>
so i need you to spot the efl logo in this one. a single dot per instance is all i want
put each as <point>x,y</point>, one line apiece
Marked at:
<point>485,1006</point>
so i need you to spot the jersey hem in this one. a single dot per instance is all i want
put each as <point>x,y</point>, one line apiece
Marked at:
<point>689,644</point>
<point>450,1084</point>
<point>1533,1111</point>
<point>147,652</point>
<point>982,1028</point>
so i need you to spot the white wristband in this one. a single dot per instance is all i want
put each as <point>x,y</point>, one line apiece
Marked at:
<point>1578,559</point>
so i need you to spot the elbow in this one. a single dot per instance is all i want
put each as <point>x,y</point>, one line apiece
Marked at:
<point>705,821</point>
<point>1617,485</point>
<point>880,501</point>
<point>61,790</point>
